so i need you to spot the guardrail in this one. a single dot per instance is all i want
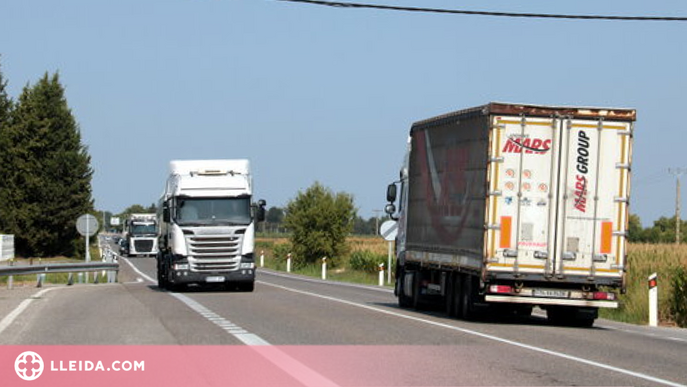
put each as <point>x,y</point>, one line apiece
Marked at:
<point>59,268</point>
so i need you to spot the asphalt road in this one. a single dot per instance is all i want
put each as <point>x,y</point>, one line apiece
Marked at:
<point>373,341</point>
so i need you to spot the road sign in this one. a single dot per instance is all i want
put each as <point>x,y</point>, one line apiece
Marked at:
<point>87,225</point>
<point>114,221</point>
<point>388,230</point>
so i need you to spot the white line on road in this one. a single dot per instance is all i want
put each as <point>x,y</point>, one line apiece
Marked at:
<point>293,367</point>
<point>7,321</point>
<point>488,337</point>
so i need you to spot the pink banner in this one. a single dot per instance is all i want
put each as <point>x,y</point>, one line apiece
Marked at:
<point>192,366</point>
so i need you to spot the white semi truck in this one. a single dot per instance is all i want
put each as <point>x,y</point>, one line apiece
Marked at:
<point>207,221</point>
<point>140,235</point>
<point>505,206</point>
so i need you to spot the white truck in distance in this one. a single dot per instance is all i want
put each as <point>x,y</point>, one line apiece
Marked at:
<point>207,220</point>
<point>503,207</point>
<point>140,235</point>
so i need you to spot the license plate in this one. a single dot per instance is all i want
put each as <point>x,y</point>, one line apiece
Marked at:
<point>551,293</point>
<point>214,279</point>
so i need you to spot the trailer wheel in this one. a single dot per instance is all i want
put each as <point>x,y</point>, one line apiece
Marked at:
<point>573,317</point>
<point>417,288</point>
<point>468,295</point>
<point>403,300</point>
<point>453,295</point>
<point>449,295</point>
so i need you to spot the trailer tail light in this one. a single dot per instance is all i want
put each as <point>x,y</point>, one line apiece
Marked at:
<point>500,289</point>
<point>607,296</point>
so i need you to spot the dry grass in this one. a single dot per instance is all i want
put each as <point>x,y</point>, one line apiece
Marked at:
<point>643,260</point>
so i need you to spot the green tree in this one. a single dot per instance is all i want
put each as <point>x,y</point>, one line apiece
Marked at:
<point>5,167</point>
<point>319,221</point>
<point>50,181</point>
<point>635,232</point>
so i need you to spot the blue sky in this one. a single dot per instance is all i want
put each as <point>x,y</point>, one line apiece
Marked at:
<point>322,94</point>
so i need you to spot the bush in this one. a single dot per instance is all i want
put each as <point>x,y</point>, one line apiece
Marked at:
<point>319,221</point>
<point>678,299</point>
<point>367,261</point>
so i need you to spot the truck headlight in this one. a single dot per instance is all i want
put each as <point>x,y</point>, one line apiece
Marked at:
<point>247,265</point>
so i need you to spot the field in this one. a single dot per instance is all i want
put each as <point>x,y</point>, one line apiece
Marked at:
<point>643,260</point>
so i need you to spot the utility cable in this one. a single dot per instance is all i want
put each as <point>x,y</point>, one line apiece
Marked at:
<point>488,13</point>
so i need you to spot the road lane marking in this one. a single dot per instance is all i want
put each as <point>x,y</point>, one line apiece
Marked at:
<point>638,375</point>
<point>7,321</point>
<point>292,367</point>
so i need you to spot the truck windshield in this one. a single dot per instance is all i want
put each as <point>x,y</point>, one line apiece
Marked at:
<point>213,211</point>
<point>143,229</point>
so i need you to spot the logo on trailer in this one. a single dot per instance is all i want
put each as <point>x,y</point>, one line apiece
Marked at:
<point>581,186</point>
<point>518,143</point>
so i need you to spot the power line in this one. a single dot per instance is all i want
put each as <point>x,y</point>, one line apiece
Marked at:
<point>488,13</point>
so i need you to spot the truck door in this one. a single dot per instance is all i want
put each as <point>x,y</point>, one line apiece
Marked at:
<point>521,209</point>
<point>593,196</point>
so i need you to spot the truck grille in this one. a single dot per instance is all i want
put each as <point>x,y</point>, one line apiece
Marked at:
<point>143,246</point>
<point>208,253</point>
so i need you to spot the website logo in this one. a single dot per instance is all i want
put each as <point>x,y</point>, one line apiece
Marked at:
<point>29,366</point>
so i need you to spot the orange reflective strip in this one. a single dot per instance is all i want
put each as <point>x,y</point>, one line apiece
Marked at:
<point>606,235</point>
<point>506,222</point>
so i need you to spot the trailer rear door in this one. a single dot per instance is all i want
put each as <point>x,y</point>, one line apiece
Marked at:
<point>557,196</point>
<point>592,215</point>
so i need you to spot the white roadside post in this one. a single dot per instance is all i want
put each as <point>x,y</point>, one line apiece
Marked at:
<point>653,300</point>
<point>324,268</point>
<point>262,258</point>
<point>381,274</point>
<point>288,263</point>
<point>388,230</point>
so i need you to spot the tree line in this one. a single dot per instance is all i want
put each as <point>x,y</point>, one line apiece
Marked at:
<point>662,231</point>
<point>45,170</point>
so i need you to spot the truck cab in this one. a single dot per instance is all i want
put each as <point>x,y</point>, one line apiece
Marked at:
<point>207,220</point>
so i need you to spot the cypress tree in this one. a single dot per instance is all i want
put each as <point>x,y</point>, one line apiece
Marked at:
<point>5,114</point>
<point>52,173</point>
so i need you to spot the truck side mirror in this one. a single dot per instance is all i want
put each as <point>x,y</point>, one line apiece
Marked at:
<point>260,211</point>
<point>391,193</point>
<point>165,213</point>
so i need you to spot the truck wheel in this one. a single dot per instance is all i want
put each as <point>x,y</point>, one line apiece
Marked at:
<point>453,295</point>
<point>161,275</point>
<point>246,286</point>
<point>467,295</point>
<point>403,300</point>
<point>417,290</point>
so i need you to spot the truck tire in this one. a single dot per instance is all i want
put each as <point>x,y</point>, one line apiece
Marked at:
<point>457,294</point>
<point>403,300</point>
<point>468,296</point>
<point>572,317</point>
<point>161,274</point>
<point>246,286</point>
<point>450,295</point>
<point>417,290</point>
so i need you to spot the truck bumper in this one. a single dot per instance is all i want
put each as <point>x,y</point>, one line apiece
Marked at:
<point>551,301</point>
<point>179,277</point>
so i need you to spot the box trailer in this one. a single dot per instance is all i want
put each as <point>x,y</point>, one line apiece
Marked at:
<point>509,206</point>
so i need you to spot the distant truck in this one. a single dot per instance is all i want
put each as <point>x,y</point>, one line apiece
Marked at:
<point>140,235</point>
<point>207,220</point>
<point>504,206</point>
